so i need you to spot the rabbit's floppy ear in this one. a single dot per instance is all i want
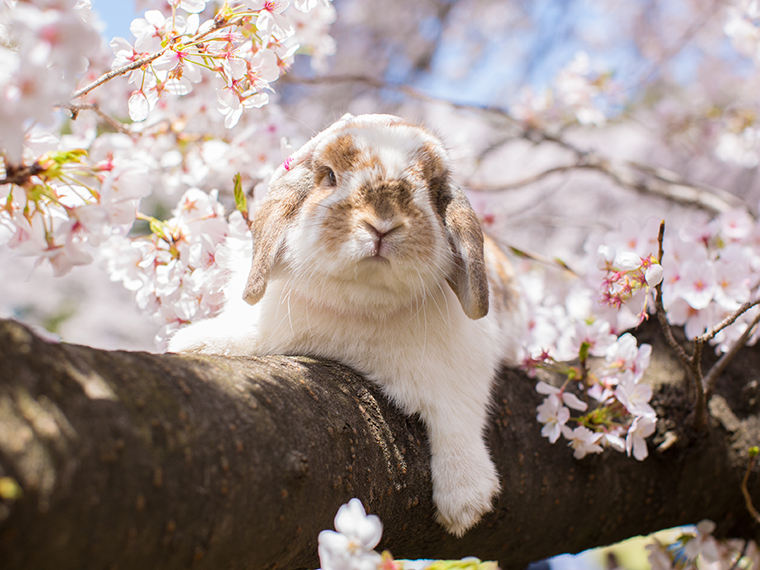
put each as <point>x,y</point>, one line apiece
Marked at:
<point>268,230</point>
<point>468,278</point>
<point>288,188</point>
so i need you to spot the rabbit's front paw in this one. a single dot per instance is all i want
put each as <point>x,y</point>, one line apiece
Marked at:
<point>188,339</point>
<point>210,336</point>
<point>463,492</point>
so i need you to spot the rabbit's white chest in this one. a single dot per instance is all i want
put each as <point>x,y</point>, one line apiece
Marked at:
<point>428,350</point>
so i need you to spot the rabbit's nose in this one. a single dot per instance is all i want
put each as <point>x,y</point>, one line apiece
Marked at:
<point>380,228</point>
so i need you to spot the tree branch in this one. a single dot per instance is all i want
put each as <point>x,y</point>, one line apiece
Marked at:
<point>143,460</point>
<point>137,64</point>
<point>641,178</point>
<point>75,109</point>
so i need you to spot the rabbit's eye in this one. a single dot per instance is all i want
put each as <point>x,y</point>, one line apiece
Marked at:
<point>331,179</point>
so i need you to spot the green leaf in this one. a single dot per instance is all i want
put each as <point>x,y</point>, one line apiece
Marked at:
<point>241,203</point>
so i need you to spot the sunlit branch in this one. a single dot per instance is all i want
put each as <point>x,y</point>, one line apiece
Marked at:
<point>137,64</point>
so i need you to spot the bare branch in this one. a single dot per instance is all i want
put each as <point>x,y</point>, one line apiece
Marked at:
<point>692,364</point>
<point>108,119</point>
<point>717,369</point>
<point>728,321</point>
<point>627,174</point>
<point>537,257</point>
<point>137,64</point>
<point>678,189</point>
<point>705,17</point>
<point>210,461</point>
<point>525,181</point>
<point>660,312</point>
<point>20,175</point>
<point>700,408</point>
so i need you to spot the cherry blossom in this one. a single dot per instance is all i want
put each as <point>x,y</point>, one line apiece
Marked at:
<point>577,87</point>
<point>703,544</point>
<point>351,547</point>
<point>553,415</point>
<point>635,441</point>
<point>270,19</point>
<point>583,441</point>
<point>635,397</point>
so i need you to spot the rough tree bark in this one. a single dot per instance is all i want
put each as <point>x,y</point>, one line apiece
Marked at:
<point>128,460</point>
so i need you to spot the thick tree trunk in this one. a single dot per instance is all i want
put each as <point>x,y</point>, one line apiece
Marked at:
<point>135,460</point>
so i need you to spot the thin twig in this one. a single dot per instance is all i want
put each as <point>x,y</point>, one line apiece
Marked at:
<point>717,369</point>
<point>537,257</point>
<point>20,175</point>
<point>679,45</point>
<point>524,181</point>
<point>700,406</point>
<point>692,364</point>
<point>728,321</point>
<point>75,109</point>
<point>677,188</point>
<point>660,310</point>
<point>137,64</point>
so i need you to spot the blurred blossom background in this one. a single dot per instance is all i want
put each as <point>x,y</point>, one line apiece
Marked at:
<point>563,118</point>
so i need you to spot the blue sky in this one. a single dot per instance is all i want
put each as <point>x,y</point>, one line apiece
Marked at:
<point>116,15</point>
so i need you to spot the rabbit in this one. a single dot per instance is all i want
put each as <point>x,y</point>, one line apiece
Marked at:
<point>366,252</point>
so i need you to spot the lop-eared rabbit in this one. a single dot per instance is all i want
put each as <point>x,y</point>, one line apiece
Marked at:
<point>366,252</point>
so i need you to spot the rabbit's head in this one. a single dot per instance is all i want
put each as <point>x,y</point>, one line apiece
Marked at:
<point>365,217</point>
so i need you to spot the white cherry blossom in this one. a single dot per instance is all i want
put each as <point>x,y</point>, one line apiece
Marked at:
<point>583,441</point>
<point>553,415</point>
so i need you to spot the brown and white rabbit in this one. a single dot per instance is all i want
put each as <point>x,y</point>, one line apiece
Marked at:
<point>366,252</point>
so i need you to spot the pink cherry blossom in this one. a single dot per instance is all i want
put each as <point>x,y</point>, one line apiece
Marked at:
<point>697,284</point>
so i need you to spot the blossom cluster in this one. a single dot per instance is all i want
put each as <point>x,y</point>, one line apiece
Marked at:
<point>179,271</point>
<point>245,47</point>
<point>710,271</point>
<point>352,547</point>
<point>63,196</point>
<point>710,268</point>
<point>620,417</point>
<point>66,202</point>
<point>698,548</point>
